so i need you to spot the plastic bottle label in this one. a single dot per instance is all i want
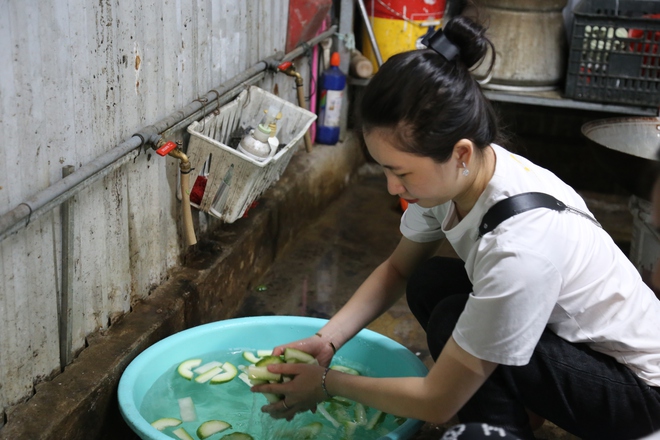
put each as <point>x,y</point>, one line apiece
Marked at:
<point>332,108</point>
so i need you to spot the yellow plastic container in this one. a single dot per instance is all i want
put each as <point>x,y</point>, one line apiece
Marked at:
<point>399,25</point>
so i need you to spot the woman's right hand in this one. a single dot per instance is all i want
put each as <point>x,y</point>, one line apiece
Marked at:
<point>315,345</point>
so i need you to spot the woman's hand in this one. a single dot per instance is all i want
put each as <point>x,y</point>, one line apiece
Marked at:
<point>314,345</point>
<point>300,394</point>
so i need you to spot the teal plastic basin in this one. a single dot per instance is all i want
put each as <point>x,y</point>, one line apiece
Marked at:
<point>383,356</point>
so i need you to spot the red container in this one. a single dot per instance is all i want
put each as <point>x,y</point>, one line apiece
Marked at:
<point>400,25</point>
<point>305,19</point>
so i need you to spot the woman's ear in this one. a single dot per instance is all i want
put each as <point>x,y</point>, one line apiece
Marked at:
<point>463,152</point>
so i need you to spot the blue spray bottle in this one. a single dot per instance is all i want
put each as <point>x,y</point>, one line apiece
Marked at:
<point>333,82</point>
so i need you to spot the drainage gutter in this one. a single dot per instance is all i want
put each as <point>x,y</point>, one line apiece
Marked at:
<point>62,190</point>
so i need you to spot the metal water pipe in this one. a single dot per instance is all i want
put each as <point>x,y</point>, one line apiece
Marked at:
<point>62,190</point>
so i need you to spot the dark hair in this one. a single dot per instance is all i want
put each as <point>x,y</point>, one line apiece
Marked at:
<point>429,102</point>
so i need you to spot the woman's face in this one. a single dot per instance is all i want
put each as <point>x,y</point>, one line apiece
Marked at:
<point>414,178</point>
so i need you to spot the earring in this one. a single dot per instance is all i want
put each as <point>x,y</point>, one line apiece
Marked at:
<point>465,170</point>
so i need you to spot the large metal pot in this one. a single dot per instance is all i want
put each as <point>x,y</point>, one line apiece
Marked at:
<point>529,40</point>
<point>626,148</point>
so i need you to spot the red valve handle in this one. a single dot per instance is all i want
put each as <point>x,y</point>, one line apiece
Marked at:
<point>166,148</point>
<point>285,65</point>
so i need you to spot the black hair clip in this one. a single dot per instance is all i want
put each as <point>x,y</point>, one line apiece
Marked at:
<point>441,44</point>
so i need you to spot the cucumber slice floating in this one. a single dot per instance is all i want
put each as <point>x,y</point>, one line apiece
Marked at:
<point>237,436</point>
<point>264,353</point>
<point>250,357</point>
<point>187,409</point>
<point>324,412</point>
<point>346,370</point>
<point>228,374</point>
<point>244,378</point>
<point>350,428</point>
<point>185,367</point>
<point>165,422</point>
<point>310,431</point>
<point>360,414</point>
<point>203,378</point>
<point>207,366</point>
<point>378,417</point>
<point>182,434</point>
<point>292,355</point>
<point>341,400</point>
<point>210,427</point>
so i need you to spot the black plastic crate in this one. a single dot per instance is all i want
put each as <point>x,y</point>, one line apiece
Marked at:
<point>614,52</point>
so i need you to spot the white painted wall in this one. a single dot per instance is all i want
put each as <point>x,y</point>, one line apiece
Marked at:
<point>77,78</point>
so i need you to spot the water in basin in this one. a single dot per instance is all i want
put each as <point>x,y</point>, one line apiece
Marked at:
<point>232,402</point>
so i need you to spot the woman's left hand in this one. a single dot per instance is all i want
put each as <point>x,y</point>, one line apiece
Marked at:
<point>300,394</point>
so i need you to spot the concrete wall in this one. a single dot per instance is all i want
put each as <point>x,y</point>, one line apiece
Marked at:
<point>77,79</point>
<point>81,402</point>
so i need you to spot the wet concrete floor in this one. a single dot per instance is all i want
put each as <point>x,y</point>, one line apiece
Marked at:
<point>317,274</point>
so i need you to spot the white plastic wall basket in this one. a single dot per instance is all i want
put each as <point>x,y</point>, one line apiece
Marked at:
<point>209,140</point>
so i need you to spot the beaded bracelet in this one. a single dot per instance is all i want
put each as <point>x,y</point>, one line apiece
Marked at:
<point>334,349</point>
<point>325,390</point>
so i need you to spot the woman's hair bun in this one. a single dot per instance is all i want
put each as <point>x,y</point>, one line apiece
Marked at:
<point>470,38</point>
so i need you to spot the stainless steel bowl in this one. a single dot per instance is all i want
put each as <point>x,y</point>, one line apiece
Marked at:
<point>627,149</point>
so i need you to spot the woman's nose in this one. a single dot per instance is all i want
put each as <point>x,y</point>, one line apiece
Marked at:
<point>394,186</point>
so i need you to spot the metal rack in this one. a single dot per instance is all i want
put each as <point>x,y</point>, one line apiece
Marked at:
<point>554,98</point>
<point>550,98</point>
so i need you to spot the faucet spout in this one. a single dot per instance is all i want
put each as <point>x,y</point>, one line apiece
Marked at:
<point>289,69</point>
<point>172,149</point>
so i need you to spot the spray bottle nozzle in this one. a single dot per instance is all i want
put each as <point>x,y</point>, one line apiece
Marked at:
<point>269,121</point>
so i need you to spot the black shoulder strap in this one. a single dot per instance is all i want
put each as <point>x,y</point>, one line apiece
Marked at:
<point>520,203</point>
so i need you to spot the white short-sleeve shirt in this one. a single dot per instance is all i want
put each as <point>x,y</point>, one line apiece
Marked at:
<point>541,269</point>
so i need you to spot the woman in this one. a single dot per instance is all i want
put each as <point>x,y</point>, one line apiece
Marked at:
<point>541,314</point>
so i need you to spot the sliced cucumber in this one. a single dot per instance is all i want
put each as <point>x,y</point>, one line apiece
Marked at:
<point>341,400</point>
<point>264,353</point>
<point>310,431</point>
<point>187,409</point>
<point>292,355</point>
<point>375,419</point>
<point>165,422</point>
<point>244,378</point>
<point>185,367</point>
<point>207,366</point>
<point>250,357</point>
<point>360,414</point>
<point>208,428</point>
<point>262,373</point>
<point>267,360</point>
<point>339,412</point>
<point>324,412</point>
<point>350,427</point>
<point>228,374</point>
<point>203,378</point>
<point>346,370</point>
<point>182,434</point>
<point>237,436</point>
<point>272,398</point>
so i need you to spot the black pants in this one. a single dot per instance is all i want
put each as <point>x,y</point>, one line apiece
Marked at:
<point>587,393</point>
